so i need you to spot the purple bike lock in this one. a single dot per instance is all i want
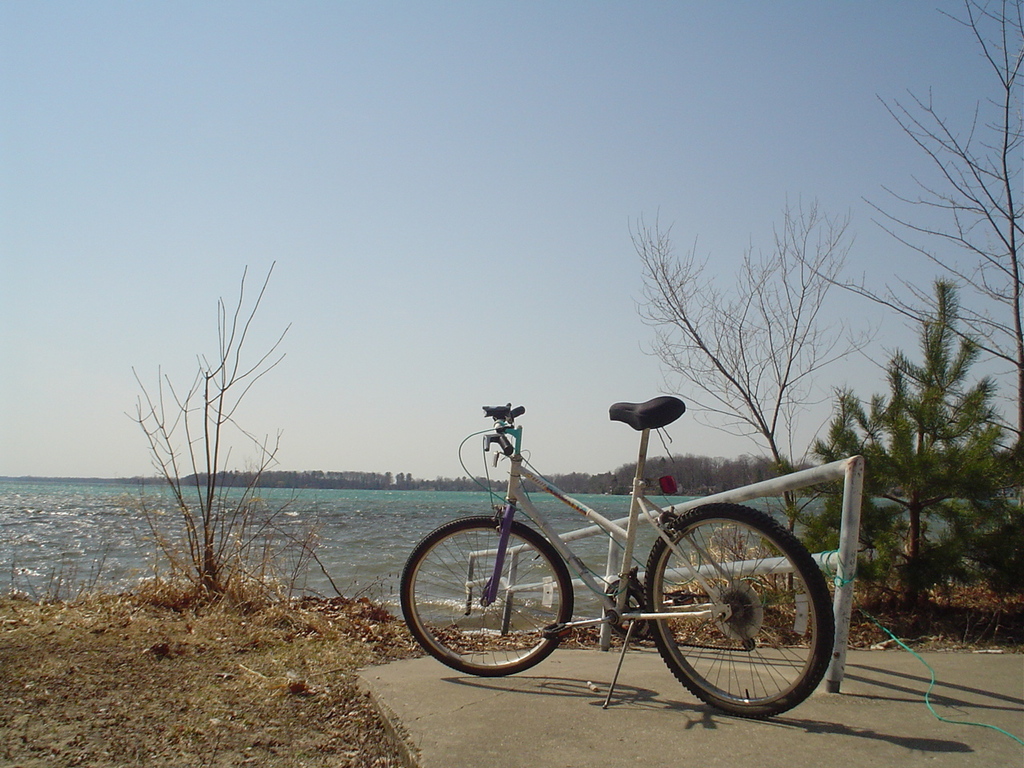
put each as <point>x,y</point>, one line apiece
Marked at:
<point>491,590</point>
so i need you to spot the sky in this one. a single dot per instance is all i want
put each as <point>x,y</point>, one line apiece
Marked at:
<point>446,191</point>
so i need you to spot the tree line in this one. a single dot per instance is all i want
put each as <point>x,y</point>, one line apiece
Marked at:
<point>695,476</point>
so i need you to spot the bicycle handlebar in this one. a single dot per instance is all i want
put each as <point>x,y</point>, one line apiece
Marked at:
<point>504,423</point>
<point>504,412</point>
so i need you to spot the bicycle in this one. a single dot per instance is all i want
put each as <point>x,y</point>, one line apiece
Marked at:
<point>737,609</point>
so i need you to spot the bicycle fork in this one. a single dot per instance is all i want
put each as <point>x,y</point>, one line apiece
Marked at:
<point>494,582</point>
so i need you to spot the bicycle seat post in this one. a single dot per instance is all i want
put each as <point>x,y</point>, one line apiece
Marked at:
<point>634,514</point>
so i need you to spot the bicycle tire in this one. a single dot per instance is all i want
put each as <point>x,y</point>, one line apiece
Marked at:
<point>773,650</point>
<point>441,590</point>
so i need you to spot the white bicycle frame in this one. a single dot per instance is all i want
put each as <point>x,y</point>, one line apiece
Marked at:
<point>640,506</point>
<point>615,595</point>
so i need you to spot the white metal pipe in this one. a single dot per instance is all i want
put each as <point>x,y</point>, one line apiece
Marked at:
<point>774,487</point>
<point>774,565</point>
<point>849,537</point>
<point>612,565</point>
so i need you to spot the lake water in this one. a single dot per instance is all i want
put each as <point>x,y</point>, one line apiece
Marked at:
<point>57,536</point>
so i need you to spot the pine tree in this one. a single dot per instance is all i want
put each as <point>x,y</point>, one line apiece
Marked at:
<point>933,449</point>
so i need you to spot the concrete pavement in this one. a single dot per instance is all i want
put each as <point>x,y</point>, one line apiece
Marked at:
<point>551,716</point>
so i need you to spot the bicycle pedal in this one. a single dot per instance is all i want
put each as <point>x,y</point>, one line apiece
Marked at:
<point>553,631</point>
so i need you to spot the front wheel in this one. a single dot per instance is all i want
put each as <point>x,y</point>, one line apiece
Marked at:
<point>442,597</point>
<point>770,649</point>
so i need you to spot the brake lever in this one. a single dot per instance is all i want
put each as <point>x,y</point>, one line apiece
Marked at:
<point>503,442</point>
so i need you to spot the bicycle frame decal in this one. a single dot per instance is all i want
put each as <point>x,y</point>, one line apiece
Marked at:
<point>612,528</point>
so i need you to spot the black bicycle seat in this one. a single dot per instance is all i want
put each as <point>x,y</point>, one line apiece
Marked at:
<point>654,414</point>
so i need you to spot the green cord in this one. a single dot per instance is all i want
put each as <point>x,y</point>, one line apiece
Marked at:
<point>927,693</point>
<point>842,582</point>
<point>838,581</point>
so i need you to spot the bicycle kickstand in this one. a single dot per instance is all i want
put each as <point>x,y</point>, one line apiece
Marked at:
<point>618,667</point>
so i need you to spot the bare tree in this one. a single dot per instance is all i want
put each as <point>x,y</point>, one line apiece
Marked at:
<point>970,221</point>
<point>752,351</point>
<point>192,432</point>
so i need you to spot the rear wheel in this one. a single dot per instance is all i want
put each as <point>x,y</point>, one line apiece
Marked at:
<point>772,649</point>
<point>442,597</point>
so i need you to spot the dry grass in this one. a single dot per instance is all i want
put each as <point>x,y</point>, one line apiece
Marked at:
<point>119,681</point>
<point>960,618</point>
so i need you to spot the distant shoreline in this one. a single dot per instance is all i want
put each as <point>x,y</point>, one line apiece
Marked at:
<point>695,476</point>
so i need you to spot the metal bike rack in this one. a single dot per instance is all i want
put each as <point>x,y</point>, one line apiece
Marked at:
<point>843,561</point>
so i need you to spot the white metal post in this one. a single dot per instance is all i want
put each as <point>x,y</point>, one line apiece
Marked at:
<point>849,536</point>
<point>611,569</point>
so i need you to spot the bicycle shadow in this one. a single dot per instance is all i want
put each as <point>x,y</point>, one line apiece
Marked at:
<point>561,687</point>
<point>696,715</point>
